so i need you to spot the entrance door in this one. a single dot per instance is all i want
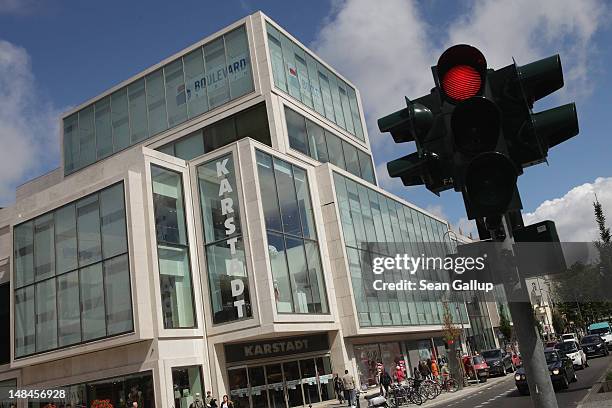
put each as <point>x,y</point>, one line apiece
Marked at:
<point>238,385</point>
<point>257,382</point>
<point>309,381</point>
<point>324,369</point>
<point>295,398</point>
<point>276,386</point>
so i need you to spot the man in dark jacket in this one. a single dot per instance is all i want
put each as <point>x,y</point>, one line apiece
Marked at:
<point>385,381</point>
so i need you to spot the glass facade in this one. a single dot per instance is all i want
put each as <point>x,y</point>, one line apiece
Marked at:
<point>172,249</point>
<point>251,122</point>
<point>111,392</point>
<point>295,261</point>
<point>302,77</point>
<point>208,77</point>
<point>370,356</point>
<point>227,272</point>
<point>311,139</point>
<point>368,216</point>
<point>187,386</point>
<point>72,279</point>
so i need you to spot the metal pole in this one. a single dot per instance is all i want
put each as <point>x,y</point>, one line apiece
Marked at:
<point>532,350</point>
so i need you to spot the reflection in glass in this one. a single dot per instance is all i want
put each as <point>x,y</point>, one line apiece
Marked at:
<point>187,386</point>
<point>69,320</point>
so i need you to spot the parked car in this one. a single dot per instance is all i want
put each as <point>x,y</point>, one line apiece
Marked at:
<point>594,345</point>
<point>561,372</point>
<point>499,361</point>
<point>476,367</point>
<point>575,353</point>
<point>569,337</point>
<point>517,360</point>
<point>604,330</point>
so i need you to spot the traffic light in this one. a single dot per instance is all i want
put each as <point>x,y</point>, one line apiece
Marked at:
<point>476,132</point>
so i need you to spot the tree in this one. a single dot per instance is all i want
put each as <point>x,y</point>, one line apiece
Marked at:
<point>451,331</point>
<point>558,322</point>
<point>504,324</point>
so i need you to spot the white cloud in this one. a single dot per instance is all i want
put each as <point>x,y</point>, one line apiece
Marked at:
<point>19,6</point>
<point>28,124</point>
<point>573,213</point>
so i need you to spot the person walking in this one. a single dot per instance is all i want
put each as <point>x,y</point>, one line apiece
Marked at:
<point>197,403</point>
<point>210,401</point>
<point>348,382</point>
<point>434,370</point>
<point>339,388</point>
<point>385,381</point>
<point>416,374</point>
<point>399,374</point>
<point>226,403</point>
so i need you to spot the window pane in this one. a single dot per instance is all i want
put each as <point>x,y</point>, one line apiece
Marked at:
<point>316,142</point>
<point>351,159</point>
<point>228,281</point>
<point>276,57</point>
<point>92,302</point>
<point>315,276</point>
<point>68,309</point>
<point>104,134</point>
<point>296,129</point>
<point>267,186</point>
<point>87,137</point>
<point>168,149</point>
<point>156,102</point>
<point>71,143</point>
<point>280,273</point>
<point>44,251</point>
<point>112,216</point>
<point>298,272</point>
<point>355,112</point>
<point>138,111</point>
<point>195,83</point>
<point>175,93</point>
<point>121,124</point>
<point>169,207</point>
<point>304,203</point>
<point>216,73</point>
<point>333,84</point>
<point>24,322</point>
<point>65,239</point>
<point>315,90</point>
<point>219,199</point>
<point>290,68</point>
<point>46,323</point>
<point>327,96</point>
<point>176,291</point>
<point>346,107</point>
<point>220,134</point>
<point>365,164</point>
<point>117,293</point>
<point>334,146</point>
<point>190,147</point>
<point>286,196</point>
<point>238,63</point>
<point>88,221</point>
<point>302,71</point>
<point>187,383</point>
<point>24,253</point>
<point>253,123</point>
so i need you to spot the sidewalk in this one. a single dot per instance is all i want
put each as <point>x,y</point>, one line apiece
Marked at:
<point>594,399</point>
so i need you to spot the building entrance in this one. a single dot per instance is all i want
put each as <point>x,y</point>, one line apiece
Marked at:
<point>284,384</point>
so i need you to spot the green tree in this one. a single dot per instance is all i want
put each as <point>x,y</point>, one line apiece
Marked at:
<point>558,322</point>
<point>504,324</point>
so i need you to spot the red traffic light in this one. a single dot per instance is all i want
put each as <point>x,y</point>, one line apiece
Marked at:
<point>461,71</point>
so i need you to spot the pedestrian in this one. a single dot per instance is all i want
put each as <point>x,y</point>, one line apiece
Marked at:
<point>197,403</point>
<point>399,374</point>
<point>424,369</point>
<point>434,370</point>
<point>385,381</point>
<point>348,383</point>
<point>416,374</point>
<point>210,401</point>
<point>339,388</point>
<point>226,403</point>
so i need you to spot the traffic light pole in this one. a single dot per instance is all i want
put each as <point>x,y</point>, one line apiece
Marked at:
<point>530,344</point>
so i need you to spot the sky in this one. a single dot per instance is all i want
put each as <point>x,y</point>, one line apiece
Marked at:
<point>57,54</point>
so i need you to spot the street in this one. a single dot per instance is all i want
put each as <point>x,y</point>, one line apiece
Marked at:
<point>505,394</point>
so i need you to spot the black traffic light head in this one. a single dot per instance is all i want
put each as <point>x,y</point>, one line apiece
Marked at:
<point>555,126</point>
<point>460,73</point>
<point>540,78</point>
<point>476,125</point>
<point>408,124</point>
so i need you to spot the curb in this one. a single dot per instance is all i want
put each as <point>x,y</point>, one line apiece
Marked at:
<point>469,390</point>
<point>594,388</point>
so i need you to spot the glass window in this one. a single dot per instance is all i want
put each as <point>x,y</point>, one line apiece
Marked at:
<point>92,302</point>
<point>176,100</point>
<point>138,111</point>
<point>65,239</point>
<point>334,147</point>
<point>88,231</point>
<point>315,277</point>
<point>156,102</point>
<point>24,253</point>
<point>304,203</point>
<point>187,386</point>
<point>117,295</point>
<point>269,198</point>
<point>351,159</point>
<point>172,249</point>
<point>287,198</point>
<point>195,83</point>
<point>280,273</point>
<point>44,253</point>
<point>220,134</point>
<point>46,323</point>
<point>296,129</point>
<point>227,274</point>
<point>333,84</point>
<point>326,95</point>
<point>302,71</point>
<point>189,147</point>
<point>87,137</point>
<point>112,219</point>
<point>346,107</point>
<point>355,112</point>
<point>121,123</point>
<point>296,258</point>
<point>104,132</point>
<point>71,143</point>
<point>216,73</point>
<point>167,149</point>
<point>276,57</point>
<point>253,123</point>
<point>25,328</point>
<point>365,164</point>
<point>69,320</point>
<point>238,63</point>
<point>316,142</point>
<point>290,69</point>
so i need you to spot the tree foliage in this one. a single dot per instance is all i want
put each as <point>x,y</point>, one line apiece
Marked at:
<point>504,324</point>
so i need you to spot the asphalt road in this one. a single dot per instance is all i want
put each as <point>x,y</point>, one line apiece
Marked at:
<point>505,394</point>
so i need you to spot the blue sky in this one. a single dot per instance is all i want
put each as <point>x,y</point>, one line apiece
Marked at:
<point>56,54</point>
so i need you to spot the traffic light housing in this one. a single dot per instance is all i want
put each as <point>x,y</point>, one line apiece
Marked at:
<point>476,131</point>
